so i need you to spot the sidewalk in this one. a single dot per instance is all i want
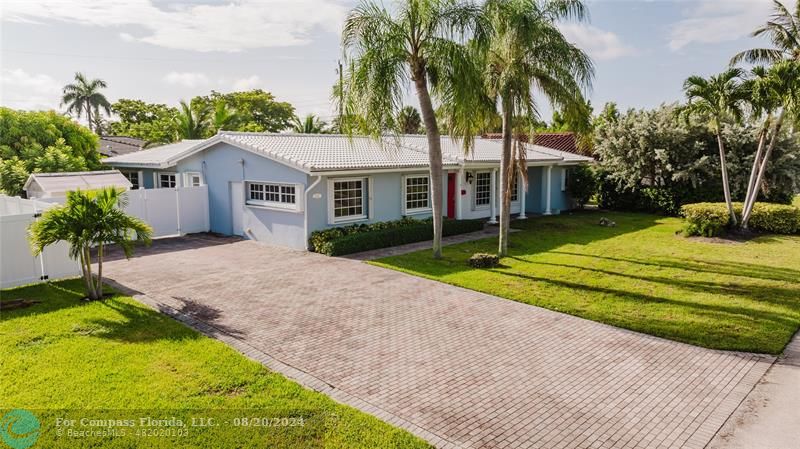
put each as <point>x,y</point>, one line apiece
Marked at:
<point>769,417</point>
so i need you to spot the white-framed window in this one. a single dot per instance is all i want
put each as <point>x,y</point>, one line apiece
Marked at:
<point>166,180</point>
<point>270,194</point>
<point>483,188</point>
<point>515,189</point>
<point>135,179</point>
<point>348,199</point>
<point>564,179</point>
<point>192,179</point>
<point>416,194</point>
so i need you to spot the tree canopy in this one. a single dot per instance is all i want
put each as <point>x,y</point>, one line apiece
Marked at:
<point>42,142</point>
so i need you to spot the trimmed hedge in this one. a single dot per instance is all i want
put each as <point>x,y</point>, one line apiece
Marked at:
<point>711,219</point>
<point>364,237</point>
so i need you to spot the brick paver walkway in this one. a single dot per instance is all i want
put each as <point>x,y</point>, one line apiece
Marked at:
<point>457,367</point>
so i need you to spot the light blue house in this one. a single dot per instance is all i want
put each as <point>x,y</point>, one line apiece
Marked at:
<point>278,188</point>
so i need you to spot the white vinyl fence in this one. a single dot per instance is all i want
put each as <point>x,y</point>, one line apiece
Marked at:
<point>171,212</point>
<point>18,266</point>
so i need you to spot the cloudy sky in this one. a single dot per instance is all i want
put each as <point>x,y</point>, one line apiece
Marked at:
<point>163,51</point>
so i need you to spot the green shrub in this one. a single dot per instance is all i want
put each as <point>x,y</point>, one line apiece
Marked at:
<point>581,184</point>
<point>710,219</point>
<point>706,219</point>
<point>364,237</point>
<point>773,218</point>
<point>483,260</point>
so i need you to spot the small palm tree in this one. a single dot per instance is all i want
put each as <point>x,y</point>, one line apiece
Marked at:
<point>783,29</point>
<point>409,121</point>
<point>776,90</point>
<point>525,53</point>
<point>192,122</point>
<point>311,124</point>
<point>421,41</point>
<point>717,98</point>
<point>90,219</point>
<point>84,97</point>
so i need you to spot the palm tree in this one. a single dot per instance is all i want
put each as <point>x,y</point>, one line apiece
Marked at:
<point>84,97</point>
<point>192,122</point>
<point>773,90</point>
<point>717,98</point>
<point>224,117</point>
<point>311,124</point>
<point>525,53</point>
<point>409,120</point>
<point>421,41</point>
<point>783,29</point>
<point>90,219</point>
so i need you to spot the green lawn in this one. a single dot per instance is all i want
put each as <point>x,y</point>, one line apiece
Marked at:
<point>639,275</point>
<point>120,354</point>
<point>796,201</point>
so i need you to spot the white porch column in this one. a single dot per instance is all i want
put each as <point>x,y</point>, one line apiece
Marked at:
<point>459,180</point>
<point>547,210</point>
<point>522,186</point>
<point>493,197</point>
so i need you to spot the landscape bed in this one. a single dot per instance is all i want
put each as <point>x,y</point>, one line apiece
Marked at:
<point>640,274</point>
<point>117,358</point>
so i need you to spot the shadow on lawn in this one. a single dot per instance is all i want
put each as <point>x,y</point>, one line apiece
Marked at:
<point>742,269</point>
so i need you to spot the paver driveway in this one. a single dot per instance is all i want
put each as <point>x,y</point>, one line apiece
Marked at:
<point>457,367</point>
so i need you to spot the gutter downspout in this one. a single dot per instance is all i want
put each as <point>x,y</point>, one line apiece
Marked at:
<point>305,208</point>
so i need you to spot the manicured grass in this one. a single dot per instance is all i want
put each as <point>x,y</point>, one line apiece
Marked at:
<point>120,354</point>
<point>796,201</point>
<point>639,275</point>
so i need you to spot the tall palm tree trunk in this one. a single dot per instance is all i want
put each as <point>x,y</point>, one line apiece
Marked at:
<point>748,207</point>
<point>89,114</point>
<point>434,156</point>
<point>725,186</point>
<point>505,178</point>
<point>751,183</point>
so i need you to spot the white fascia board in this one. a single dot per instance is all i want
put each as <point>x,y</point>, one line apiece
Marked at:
<point>367,171</point>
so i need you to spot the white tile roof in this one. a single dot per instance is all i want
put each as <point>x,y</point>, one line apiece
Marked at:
<point>155,156</point>
<point>328,152</point>
<point>60,183</point>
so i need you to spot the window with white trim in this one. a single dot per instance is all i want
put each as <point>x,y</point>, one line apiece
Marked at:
<point>272,195</point>
<point>349,196</point>
<point>416,193</point>
<point>514,189</point>
<point>133,177</point>
<point>167,181</point>
<point>193,179</point>
<point>483,188</point>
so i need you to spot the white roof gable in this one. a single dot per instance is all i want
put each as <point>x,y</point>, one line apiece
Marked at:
<point>328,152</point>
<point>58,184</point>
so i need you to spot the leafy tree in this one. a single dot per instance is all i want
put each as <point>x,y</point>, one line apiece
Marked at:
<point>155,123</point>
<point>418,41</point>
<point>525,53</point>
<point>717,98</point>
<point>581,184</point>
<point>192,121</point>
<point>84,97</point>
<point>256,110</point>
<point>224,117</point>
<point>42,142</point>
<point>783,30</point>
<point>90,219</point>
<point>409,121</point>
<point>310,124</point>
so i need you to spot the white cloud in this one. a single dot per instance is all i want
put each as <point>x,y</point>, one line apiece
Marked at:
<point>186,79</point>
<point>127,37</point>
<point>23,90</point>
<point>248,83</point>
<point>599,44</point>
<point>233,26</point>
<point>713,21</point>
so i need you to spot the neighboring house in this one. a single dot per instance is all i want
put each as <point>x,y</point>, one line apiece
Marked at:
<point>278,188</point>
<point>118,145</point>
<point>562,141</point>
<point>53,187</point>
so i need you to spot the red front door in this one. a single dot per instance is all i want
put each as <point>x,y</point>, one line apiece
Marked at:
<point>451,195</point>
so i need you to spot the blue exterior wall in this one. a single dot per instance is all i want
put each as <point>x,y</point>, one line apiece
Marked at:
<point>533,197</point>
<point>221,166</point>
